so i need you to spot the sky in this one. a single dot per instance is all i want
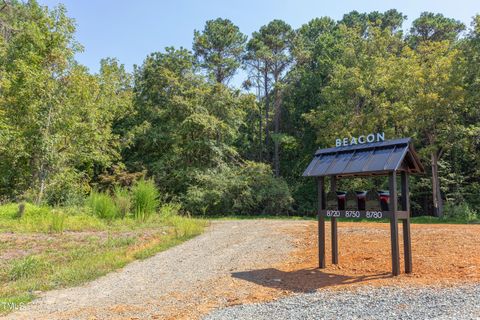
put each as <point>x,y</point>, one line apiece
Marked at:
<point>130,30</point>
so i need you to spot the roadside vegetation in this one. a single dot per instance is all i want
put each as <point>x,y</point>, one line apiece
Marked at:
<point>44,247</point>
<point>216,146</point>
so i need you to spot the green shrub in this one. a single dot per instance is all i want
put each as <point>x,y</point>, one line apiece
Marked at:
<point>247,189</point>
<point>460,211</point>
<point>123,201</point>
<point>145,198</point>
<point>9,211</point>
<point>24,268</point>
<point>102,205</point>
<point>169,210</point>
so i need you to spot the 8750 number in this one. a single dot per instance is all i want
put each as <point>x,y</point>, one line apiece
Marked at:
<point>352,214</point>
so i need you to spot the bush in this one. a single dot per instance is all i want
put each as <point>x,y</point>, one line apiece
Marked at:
<point>145,198</point>
<point>123,201</point>
<point>102,205</point>
<point>169,210</point>
<point>460,211</point>
<point>247,189</point>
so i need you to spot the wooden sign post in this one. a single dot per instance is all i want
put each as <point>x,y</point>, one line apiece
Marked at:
<point>389,158</point>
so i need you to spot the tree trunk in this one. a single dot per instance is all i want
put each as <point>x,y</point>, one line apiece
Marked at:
<point>276,158</point>
<point>260,115</point>
<point>437,195</point>
<point>267,110</point>
<point>44,152</point>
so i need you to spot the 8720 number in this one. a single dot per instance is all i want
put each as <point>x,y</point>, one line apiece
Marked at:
<point>333,213</point>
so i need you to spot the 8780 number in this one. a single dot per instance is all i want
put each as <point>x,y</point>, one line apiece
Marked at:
<point>374,214</point>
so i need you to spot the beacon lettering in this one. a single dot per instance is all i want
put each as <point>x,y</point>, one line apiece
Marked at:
<point>369,138</point>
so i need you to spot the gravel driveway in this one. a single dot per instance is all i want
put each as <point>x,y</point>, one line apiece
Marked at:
<point>174,282</point>
<point>235,266</point>
<point>366,303</point>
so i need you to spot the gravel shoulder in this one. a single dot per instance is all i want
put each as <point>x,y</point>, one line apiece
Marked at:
<point>372,303</point>
<point>175,283</point>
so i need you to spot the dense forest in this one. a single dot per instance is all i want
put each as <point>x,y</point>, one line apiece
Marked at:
<point>221,149</point>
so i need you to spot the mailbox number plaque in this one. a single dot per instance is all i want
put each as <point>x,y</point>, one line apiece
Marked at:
<point>356,214</point>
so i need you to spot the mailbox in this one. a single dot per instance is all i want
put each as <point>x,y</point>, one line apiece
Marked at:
<point>336,200</point>
<point>372,201</point>
<point>361,199</point>
<point>384,197</point>
<point>351,201</point>
<point>332,202</point>
<point>387,158</point>
<point>342,199</point>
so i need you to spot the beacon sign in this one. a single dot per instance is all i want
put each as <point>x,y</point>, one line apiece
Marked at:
<point>372,137</point>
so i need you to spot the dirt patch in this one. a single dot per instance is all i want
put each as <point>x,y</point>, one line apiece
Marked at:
<point>442,255</point>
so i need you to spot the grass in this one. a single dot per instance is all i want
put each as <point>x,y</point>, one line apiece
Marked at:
<point>145,199</point>
<point>102,205</point>
<point>63,259</point>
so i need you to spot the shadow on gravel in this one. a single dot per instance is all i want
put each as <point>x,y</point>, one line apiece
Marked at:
<point>304,280</point>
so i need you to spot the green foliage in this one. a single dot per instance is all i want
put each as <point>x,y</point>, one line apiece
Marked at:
<point>461,212</point>
<point>168,210</point>
<point>46,219</point>
<point>219,48</point>
<point>102,205</point>
<point>65,131</point>
<point>58,221</point>
<point>24,268</point>
<point>434,27</point>
<point>123,201</point>
<point>62,115</point>
<point>247,189</point>
<point>145,198</point>
<point>67,260</point>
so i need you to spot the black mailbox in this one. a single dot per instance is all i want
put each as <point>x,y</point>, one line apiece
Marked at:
<point>342,199</point>
<point>361,199</point>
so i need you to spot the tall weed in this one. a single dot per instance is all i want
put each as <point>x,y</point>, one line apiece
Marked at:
<point>57,221</point>
<point>123,201</point>
<point>102,205</point>
<point>145,198</point>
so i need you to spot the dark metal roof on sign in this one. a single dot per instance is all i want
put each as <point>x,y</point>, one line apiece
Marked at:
<point>365,159</point>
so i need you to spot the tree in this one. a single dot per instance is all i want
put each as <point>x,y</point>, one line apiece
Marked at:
<point>434,27</point>
<point>437,102</point>
<point>219,48</point>
<point>269,53</point>
<point>183,124</point>
<point>391,20</point>
<point>59,119</point>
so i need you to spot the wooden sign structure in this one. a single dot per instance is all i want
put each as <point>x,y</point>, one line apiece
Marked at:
<point>388,158</point>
